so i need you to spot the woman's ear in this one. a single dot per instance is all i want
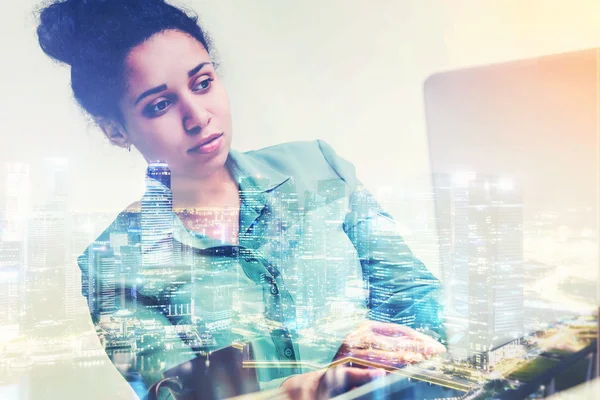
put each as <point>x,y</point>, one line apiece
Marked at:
<point>114,131</point>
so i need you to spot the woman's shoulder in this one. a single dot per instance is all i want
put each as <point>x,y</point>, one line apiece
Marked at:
<point>317,154</point>
<point>294,149</point>
<point>294,158</point>
<point>299,148</point>
<point>290,158</point>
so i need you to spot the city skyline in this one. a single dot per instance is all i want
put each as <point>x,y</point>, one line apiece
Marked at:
<point>119,262</point>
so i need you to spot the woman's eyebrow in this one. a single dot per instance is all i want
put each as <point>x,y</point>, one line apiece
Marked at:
<point>163,87</point>
<point>150,92</point>
<point>197,68</point>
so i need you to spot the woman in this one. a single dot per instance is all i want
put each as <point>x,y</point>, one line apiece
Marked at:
<point>296,233</point>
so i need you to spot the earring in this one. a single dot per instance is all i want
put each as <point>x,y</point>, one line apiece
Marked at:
<point>129,148</point>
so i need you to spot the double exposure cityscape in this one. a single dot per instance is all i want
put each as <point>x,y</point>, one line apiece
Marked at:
<point>161,291</point>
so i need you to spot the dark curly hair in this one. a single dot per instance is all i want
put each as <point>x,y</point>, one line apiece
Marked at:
<point>95,37</point>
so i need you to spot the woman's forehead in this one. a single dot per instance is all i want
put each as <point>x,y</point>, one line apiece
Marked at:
<point>165,57</point>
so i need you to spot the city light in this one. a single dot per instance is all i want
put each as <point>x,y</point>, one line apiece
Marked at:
<point>206,300</point>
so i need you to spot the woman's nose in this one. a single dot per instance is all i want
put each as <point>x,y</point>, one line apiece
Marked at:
<point>195,117</point>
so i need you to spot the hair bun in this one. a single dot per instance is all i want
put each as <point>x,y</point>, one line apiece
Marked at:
<point>57,31</point>
<point>95,37</point>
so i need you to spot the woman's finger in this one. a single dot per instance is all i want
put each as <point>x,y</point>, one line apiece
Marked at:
<point>395,330</point>
<point>395,359</point>
<point>341,379</point>
<point>387,343</point>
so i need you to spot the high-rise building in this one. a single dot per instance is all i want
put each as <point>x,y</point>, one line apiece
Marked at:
<point>100,286</point>
<point>157,217</point>
<point>44,273</point>
<point>48,249</point>
<point>10,253</point>
<point>456,283</point>
<point>117,240</point>
<point>56,182</point>
<point>311,303</point>
<point>214,307</point>
<point>134,228</point>
<point>130,265</point>
<point>443,205</point>
<point>486,275</point>
<point>47,242</point>
<point>18,204</point>
<point>10,285</point>
<point>507,206</point>
<point>361,203</point>
<point>82,234</point>
<point>72,291</point>
<point>334,192</point>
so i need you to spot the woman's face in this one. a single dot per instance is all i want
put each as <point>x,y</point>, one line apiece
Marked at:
<point>174,102</point>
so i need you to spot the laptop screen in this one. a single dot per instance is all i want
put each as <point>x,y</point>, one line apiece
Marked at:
<point>514,154</point>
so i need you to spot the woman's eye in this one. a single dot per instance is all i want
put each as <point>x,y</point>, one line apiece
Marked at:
<point>157,108</point>
<point>203,85</point>
<point>161,105</point>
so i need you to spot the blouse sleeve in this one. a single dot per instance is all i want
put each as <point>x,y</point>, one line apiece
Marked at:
<point>401,289</point>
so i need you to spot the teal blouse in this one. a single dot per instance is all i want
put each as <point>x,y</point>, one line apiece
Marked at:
<point>316,256</point>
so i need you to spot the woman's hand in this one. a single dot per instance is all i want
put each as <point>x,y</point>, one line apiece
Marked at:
<point>384,343</point>
<point>390,344</point>
<point>329,383</point>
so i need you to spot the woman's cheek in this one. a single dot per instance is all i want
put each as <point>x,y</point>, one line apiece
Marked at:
<point>161,133</point>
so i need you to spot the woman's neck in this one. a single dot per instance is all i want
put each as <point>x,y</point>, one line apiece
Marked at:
<point>218,190</point>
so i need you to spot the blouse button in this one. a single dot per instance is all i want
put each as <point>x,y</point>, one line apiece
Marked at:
<point>274,289</point>
<point>288,352</point>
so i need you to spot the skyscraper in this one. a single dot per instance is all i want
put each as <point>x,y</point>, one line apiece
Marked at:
<point>337,256</point>
<point>56,180</point>
<point>18,205</point>
<point>130,262</point>
<point>157,217</point>
<point>45,282</point>
<point>486,275</point>
<point>311,303</point>
<point>443,199</point>
<point>10,285</point>
<point>82,235</point>
<point>100,287</point>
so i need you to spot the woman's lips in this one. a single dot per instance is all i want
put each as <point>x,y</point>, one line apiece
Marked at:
<point>208,147</point>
